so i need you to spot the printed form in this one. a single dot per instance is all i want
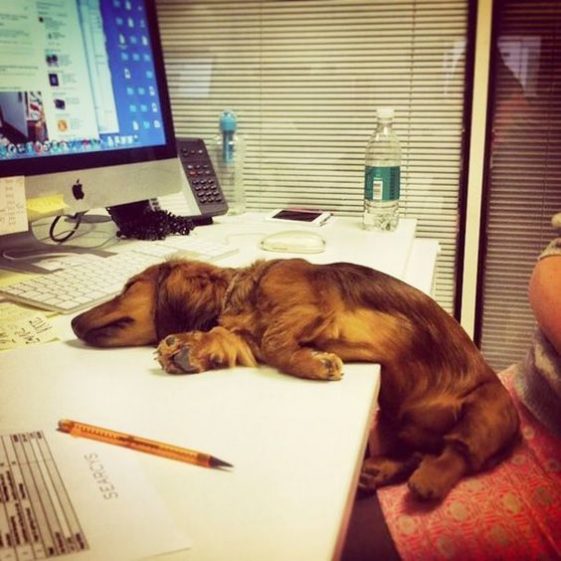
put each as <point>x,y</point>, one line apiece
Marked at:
<point>13,214</point>
<point>86,501</point>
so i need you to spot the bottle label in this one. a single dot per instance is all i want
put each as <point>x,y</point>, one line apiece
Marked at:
<point>381,183</point>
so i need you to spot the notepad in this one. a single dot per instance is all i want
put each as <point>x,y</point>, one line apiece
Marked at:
<point>21,326</point>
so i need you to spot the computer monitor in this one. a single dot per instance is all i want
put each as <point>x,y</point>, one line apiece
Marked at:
<point>84,106</point>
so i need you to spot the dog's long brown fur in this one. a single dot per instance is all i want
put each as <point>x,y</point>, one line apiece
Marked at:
<point>443,411</point>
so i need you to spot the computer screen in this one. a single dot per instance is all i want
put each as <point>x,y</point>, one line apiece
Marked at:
<point>84,107</point>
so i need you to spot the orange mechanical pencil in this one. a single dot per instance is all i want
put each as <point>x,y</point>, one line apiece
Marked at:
<point>162,449</point>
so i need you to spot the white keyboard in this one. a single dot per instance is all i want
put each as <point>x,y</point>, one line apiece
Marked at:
<point>88,279</point>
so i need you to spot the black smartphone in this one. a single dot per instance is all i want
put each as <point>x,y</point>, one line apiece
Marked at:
<point>300,216</point>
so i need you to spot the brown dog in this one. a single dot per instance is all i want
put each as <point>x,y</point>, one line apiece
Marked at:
<point>443,411</point>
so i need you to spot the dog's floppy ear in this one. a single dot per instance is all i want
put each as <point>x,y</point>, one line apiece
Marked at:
<point>189,297</point>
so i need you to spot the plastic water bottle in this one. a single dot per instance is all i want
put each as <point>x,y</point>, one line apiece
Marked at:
<point>382,175</point>
<point>229,162</point>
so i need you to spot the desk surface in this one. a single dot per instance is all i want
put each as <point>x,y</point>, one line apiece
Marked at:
<point>345,238</point>
<point>296,445</point>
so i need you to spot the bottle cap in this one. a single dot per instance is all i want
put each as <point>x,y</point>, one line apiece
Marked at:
<point>385,112</point>
<point>228,121</point>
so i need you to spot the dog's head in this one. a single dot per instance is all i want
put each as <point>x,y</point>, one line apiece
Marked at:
<point>171,297</point>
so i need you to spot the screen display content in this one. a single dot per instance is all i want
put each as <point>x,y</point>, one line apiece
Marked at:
<point>78,77</point>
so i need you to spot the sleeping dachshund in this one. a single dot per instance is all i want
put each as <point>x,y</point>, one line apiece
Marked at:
<point>443,411</point>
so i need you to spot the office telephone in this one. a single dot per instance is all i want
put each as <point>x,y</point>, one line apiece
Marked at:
<point>202,179</point>
<point>201,189</point>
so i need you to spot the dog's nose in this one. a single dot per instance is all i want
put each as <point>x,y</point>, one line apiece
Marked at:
<point>75,324</point>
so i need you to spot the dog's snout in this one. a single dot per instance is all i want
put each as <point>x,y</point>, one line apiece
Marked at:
<point>113,324</point>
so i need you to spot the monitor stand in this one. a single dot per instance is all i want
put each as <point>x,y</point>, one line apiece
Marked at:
<point>23,252</point>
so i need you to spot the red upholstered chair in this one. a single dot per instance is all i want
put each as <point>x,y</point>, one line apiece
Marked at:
<point>513,511</point>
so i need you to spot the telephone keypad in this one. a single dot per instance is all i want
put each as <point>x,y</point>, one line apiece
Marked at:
<point>201,176</point>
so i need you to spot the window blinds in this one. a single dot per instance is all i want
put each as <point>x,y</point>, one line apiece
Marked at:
<point>305,78</point>
<point>524,187</point>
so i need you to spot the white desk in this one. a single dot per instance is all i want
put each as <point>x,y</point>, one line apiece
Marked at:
<point>345,237</point>
<point>296,445</point>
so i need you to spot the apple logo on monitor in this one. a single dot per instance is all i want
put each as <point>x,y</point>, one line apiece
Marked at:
<point>78,190</point>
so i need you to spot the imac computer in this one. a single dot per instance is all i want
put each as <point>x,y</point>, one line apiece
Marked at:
<point>84,107</point>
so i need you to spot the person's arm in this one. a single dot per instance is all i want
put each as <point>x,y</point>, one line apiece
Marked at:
<point>545,298</point>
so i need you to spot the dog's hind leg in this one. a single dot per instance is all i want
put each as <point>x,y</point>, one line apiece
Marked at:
<point>487,425</point>
<point>378,471</point>
<point>392,458</point>
<point>436,475</point>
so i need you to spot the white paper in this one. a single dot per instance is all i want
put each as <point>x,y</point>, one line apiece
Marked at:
<point>84,500</point>
<point>13,213</point>
<point>21,326</point>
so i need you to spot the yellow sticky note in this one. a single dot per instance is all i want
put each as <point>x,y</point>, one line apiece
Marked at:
<point>50,205</point>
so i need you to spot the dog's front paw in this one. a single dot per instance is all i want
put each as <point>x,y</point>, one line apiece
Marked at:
<point>198,351</point>
<point>328,366</point>
<point>176,354</point>
<point>310,363</point>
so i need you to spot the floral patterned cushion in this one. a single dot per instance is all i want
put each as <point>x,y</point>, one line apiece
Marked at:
<point>509,513</point>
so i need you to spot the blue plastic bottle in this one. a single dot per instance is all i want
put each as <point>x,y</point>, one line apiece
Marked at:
<point>229,160</point>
